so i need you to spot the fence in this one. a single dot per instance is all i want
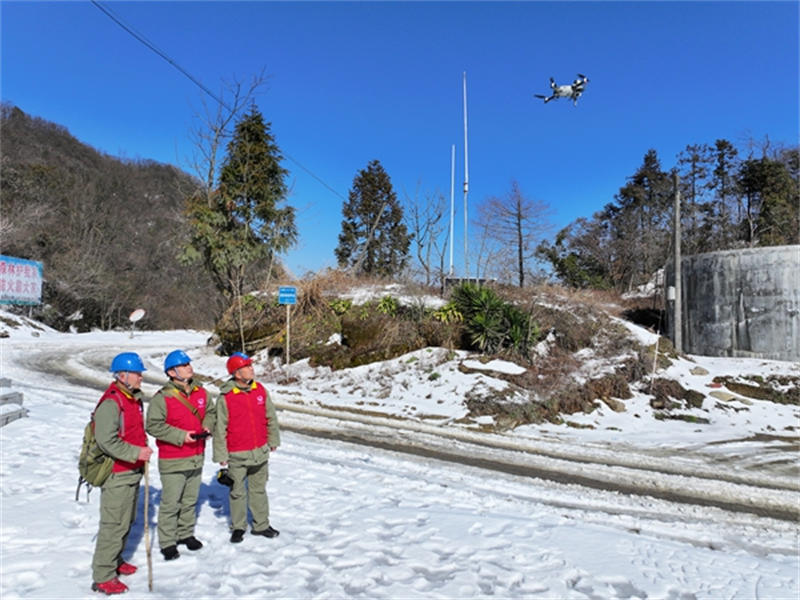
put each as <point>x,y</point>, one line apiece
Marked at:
<point>6,400</point>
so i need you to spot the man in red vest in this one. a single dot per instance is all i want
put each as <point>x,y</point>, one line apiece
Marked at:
<point>119,430</point>
<point>245,432</point>
<point>179,417</point>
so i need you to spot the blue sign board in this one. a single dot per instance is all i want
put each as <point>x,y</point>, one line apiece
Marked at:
<point>20,281</point>
<point>287,295</point>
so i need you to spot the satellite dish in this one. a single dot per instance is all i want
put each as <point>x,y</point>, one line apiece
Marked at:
<point>136,315</point>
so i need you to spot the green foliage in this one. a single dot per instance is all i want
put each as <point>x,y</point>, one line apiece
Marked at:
<point>340,305</point>
<point>374,239</point>
<point>491,323</point>
<point>254,302</point>
<point>726,203</point>
<point>771,194</point>
<point>388,306</point>
<point>448,314</point>
<point>241,225</point>
<point>575,264</point>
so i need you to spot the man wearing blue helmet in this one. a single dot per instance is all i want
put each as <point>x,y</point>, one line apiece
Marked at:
<point>119,431</point>
<point>179,417</point>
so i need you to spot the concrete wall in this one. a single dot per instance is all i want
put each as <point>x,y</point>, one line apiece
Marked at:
<point>742,303</point>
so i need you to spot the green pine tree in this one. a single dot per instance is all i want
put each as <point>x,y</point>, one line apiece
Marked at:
<point>770,201</point>
<point>374,240</point>
<point>244,221</point>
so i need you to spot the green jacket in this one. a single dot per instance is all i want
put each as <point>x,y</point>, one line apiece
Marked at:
<point>250,457</point>
<point>158,427</point>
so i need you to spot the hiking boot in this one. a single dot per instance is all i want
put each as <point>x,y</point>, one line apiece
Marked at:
<point>237,536</point>
<point>126,568</point>
<point>192,543</point>
<point>170,552</point>
<point>112,586</point>
<point>268,532</point>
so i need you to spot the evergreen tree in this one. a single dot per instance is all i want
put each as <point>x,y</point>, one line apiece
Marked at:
<point>243,223</point>
<point>695,163</point>
<point>640,221</point>
<point>374,240</point>
<point>724,184</point>
<point>770,203</point>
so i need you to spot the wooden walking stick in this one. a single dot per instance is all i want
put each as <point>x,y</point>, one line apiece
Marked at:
<point>147,526</point>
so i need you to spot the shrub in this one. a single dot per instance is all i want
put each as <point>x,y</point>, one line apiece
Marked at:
<point>491,323</point>
<point>388,306</point>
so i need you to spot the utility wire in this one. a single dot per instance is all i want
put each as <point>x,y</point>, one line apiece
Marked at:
<point>163,55</point>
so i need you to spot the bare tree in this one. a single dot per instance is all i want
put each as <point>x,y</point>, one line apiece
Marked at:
<point>425,222</point>
<point>215,127</point>
<point>515,223</point>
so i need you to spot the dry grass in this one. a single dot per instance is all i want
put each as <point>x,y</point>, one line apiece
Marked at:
<point>574,320</point>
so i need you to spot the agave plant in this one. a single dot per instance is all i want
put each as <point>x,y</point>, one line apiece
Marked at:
<point>492,323</point>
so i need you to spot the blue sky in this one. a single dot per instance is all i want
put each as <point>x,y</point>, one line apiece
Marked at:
<point>353,82</point>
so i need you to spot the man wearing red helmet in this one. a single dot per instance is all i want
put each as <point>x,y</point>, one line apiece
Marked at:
<point>245,432</point>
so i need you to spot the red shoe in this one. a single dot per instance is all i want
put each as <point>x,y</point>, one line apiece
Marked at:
<point>112,586</point>
<point>126,568</point>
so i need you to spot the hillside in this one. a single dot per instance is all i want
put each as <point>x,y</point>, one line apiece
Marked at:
<point>108,231</point>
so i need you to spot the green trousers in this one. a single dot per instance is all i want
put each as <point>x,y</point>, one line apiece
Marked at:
<point>118,498</point>
<point>177,512</point>
<point>253,494</point>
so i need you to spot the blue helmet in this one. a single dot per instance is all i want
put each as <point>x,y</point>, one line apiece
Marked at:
<point>127,361</point>
<point>176,358</point>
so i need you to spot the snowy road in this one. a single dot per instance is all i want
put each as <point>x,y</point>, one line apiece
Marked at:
<point>678,476</point>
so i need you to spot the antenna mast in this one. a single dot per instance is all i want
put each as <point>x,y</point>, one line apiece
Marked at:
<point>452,201</point>
<point>466,182</point>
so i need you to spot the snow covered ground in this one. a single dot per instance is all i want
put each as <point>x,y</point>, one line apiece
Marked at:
<point>359,521</point>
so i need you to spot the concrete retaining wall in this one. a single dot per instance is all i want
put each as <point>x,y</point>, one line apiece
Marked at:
<point>742,303</point>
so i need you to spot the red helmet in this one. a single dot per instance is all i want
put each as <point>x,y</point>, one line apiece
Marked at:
<point>237,361</point>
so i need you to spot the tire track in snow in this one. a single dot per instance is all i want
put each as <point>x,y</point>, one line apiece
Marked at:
<point>778,499</point>
<point>631,474</point>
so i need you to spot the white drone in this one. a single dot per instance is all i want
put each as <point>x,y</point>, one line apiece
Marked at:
<point>573,91</point>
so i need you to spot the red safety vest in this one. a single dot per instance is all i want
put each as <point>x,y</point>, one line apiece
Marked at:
<point>179,415</point>
<point>131,424</point>
<point>247,418</point>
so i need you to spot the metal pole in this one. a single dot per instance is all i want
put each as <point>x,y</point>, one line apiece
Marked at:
<point>466,183</point>
<point>288,307</point>
<point>678,325</point>
<point>452,201</point>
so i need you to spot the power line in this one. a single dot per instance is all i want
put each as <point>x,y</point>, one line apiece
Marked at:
<point>153,47</point>
<point>141,38</point>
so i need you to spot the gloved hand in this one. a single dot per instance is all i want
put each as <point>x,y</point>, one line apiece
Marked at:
<point>224,478</point>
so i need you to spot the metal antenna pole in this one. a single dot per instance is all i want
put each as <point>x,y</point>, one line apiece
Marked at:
<point>466,183</point>
<point>678,327</point>
<point>452,201</point>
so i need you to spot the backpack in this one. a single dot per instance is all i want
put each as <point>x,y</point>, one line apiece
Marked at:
<point>94,466</point>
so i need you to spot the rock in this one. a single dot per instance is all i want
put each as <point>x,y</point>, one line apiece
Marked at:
<point>728,397</point>
<point>614,404</point>
<point>698,371</point>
